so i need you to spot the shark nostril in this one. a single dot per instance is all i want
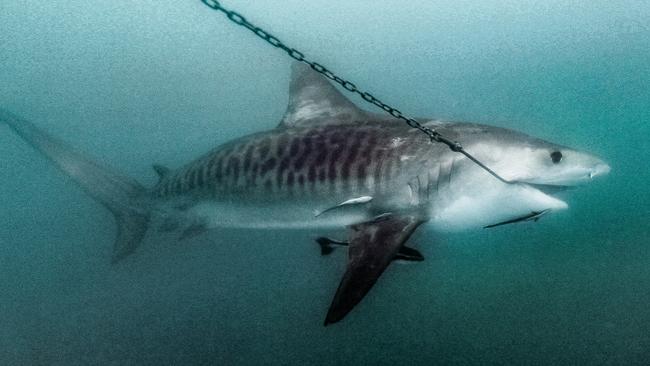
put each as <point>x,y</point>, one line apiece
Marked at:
<point>598,170</point>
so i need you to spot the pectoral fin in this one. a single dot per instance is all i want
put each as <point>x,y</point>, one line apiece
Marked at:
<point>373,245</point>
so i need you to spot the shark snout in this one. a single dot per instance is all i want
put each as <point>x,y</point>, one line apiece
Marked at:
<point>598,170</point>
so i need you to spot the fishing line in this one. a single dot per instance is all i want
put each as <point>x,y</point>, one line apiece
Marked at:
<point>434,136</point>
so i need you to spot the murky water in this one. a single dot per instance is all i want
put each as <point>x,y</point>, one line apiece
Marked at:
<point>133,84</point>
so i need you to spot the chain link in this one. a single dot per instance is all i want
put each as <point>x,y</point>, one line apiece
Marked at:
<point>434,136</point>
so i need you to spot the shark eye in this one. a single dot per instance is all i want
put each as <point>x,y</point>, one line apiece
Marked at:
<point>556,157</point>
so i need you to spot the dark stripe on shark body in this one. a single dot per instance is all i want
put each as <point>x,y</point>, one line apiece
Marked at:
<point>317,160</point>
<point>321,154</point>
<point>387,169</point>
<point>255,168</point>
<point>348,159</point>
<point>190,177</point>
<point>301,180</point>
<point>234,162</point>
<point>199,176</point>
<point>208,172</point>
<point>378,159</point>
<point>365,161</point>
<point>295,147</point>
<point>284,166</point>
<point>194,176</point>
<point>321,160</point>
<point>248,156</point>
<point>354,158</point>
<point>215,174</point>
<point>268,165</point>
<point>311,175</point>
<point>321,175</point>
<point>280,145</point>
<point>178,187</point>
<point>361,171</point>
<point>264,147</point>
<point>302,158</point>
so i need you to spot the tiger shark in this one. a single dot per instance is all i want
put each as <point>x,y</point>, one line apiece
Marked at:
<point>329,164</point>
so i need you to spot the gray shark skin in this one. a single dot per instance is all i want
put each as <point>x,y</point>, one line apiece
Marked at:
<point>330,164</point>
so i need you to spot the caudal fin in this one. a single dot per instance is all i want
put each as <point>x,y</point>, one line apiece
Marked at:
<point>124,197</point>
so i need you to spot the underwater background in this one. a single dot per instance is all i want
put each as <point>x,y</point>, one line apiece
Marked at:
<point>133,83</point>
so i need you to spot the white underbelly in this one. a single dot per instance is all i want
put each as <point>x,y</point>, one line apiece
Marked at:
<point>460,207</point>
<point>218,214</point>
<point>472,208</point>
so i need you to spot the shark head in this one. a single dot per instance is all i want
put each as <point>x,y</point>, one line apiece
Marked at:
<point>525,159</point>
<point>540,169</point>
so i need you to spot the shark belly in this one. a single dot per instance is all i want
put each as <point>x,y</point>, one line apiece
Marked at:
<point>474,201</point>
<point>319,208</point>
<point>289,215</point>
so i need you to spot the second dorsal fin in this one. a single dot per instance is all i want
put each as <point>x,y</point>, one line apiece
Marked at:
<point>313,100</point>
<point>161,170</point>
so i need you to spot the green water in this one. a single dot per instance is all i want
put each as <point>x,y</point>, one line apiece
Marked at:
<point>164,81</point>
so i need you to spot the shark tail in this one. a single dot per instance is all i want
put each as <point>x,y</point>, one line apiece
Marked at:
<point>124,197</point>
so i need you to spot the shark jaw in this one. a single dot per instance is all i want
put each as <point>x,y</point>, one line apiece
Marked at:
<point>473,209</point>
<point>499,203</point>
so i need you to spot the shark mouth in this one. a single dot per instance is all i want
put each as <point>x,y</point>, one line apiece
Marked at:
<point>545,189</point>
<point>550,189</point>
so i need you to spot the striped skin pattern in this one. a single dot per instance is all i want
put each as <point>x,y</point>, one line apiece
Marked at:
<point>343,159</point>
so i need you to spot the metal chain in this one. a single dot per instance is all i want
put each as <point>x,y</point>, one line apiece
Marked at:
<point>347,85</point>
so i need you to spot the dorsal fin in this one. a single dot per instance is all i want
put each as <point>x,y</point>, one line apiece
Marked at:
<point>313,100</point>
<point>161,170</point>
